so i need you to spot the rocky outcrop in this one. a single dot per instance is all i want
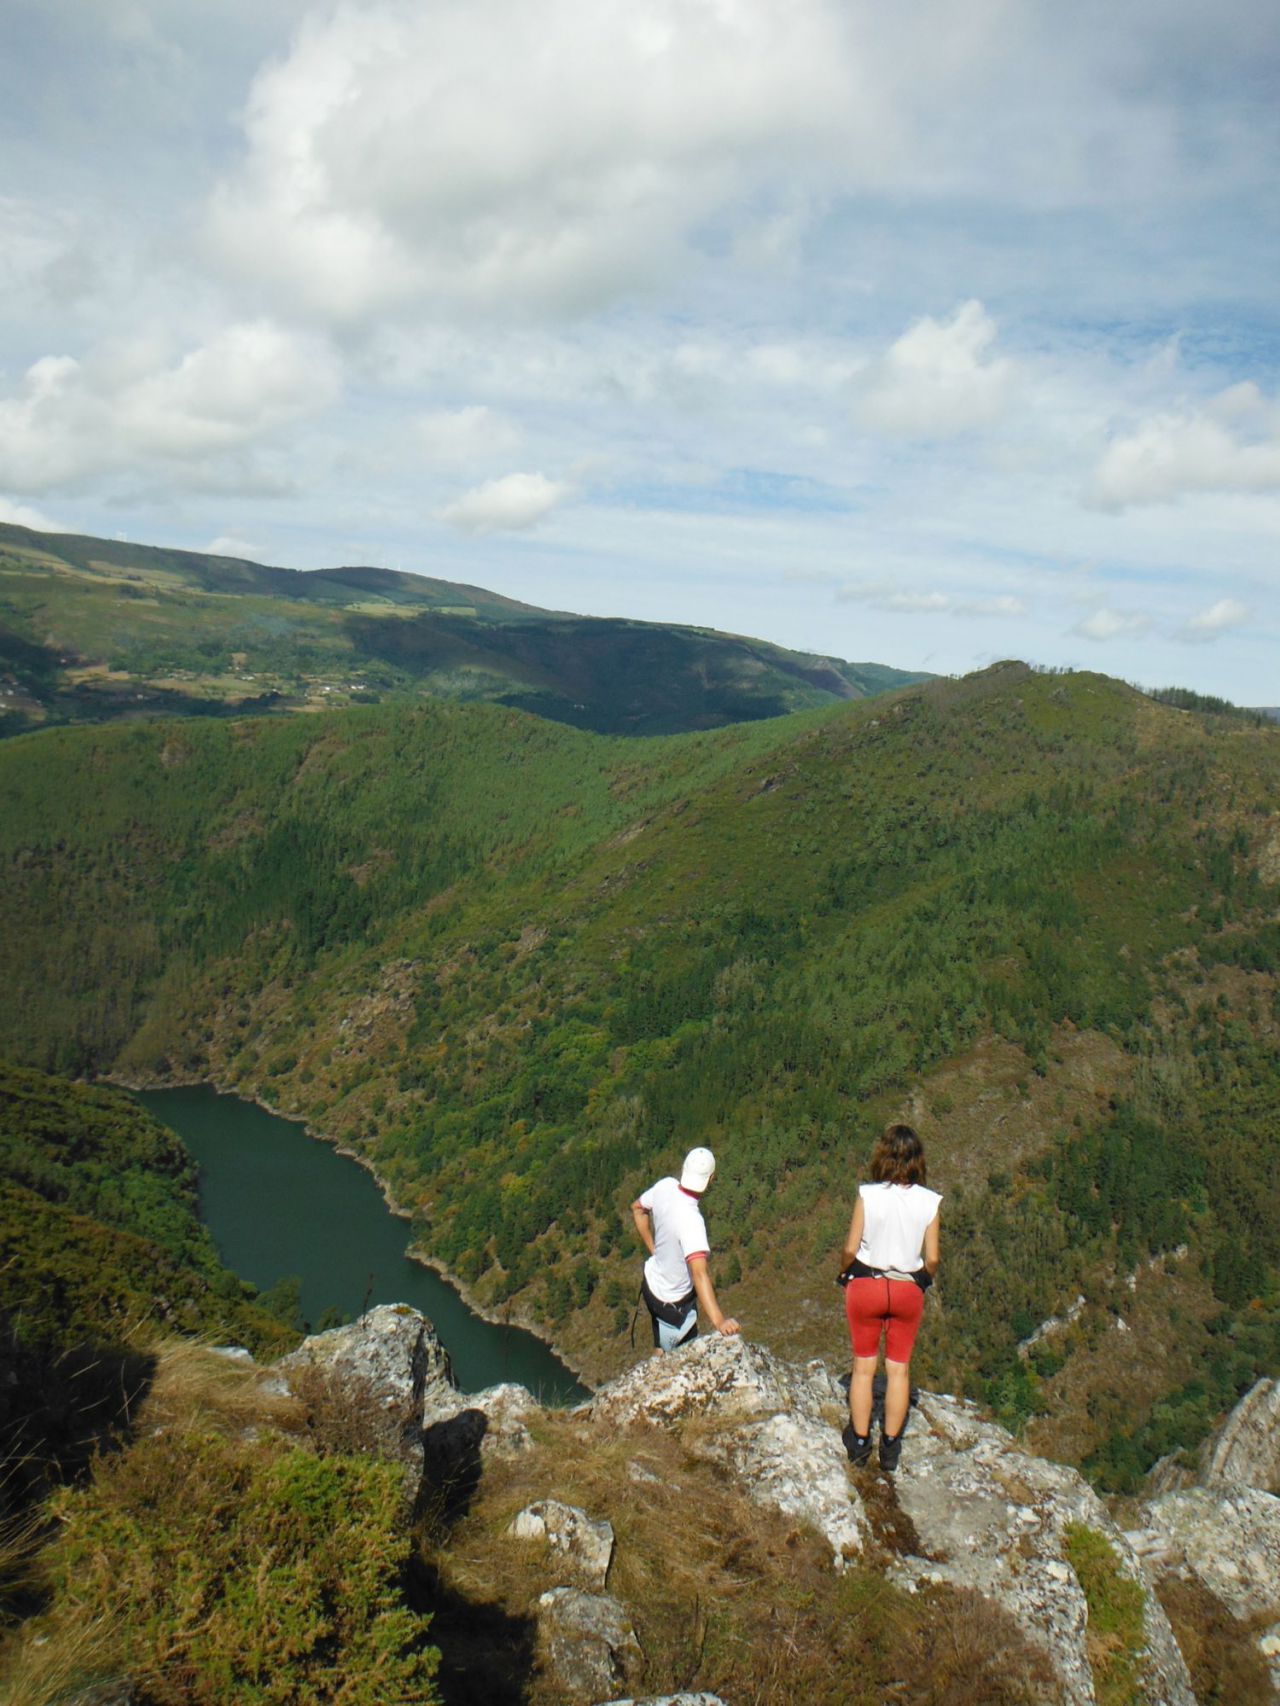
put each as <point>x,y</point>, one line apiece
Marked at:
<point>1245,1452</point>
<point>968,1507</point>
<point>972,1508</point>
<point>1225,1532</point>
<point>777,1428</point>
<point>987,1515</point>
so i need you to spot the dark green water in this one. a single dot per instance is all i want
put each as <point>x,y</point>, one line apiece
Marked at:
<point>279,1203</point>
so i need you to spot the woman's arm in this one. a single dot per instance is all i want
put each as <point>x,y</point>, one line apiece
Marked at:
<point>932,1251</point>
<point>854,1238</point>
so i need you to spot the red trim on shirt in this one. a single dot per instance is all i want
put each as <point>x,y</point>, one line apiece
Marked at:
<point>694,1254</point>
<point>696,1195</point>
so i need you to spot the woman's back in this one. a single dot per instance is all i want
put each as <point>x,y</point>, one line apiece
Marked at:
<point>894,1226</point>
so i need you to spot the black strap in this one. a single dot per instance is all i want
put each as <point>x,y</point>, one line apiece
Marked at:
<point>860,1270</point>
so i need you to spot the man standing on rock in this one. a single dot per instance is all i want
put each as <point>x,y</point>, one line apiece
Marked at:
<point>668,1217</point>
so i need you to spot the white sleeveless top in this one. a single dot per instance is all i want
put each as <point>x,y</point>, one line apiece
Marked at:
<point>895,1218</point>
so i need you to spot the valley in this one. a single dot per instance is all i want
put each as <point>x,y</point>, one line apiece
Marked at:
<point>520,967</point>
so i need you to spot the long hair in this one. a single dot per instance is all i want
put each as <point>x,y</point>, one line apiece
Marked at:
<point>898,1157</point>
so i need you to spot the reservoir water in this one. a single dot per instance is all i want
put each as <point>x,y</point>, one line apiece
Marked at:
<point>279,1203</point>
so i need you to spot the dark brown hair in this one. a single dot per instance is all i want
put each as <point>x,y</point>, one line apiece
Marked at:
<point>898,1157</point>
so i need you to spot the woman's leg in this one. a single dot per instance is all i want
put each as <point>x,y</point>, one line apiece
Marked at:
<point>865,1303</point>
<point>897,1398</point>
<point>864,1369</point>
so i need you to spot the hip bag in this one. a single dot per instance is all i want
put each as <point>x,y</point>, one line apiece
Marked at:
<point>672,1313</point>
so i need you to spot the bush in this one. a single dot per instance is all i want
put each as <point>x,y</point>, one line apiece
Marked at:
<point>237,1571</point>
<point>1116,1636</point>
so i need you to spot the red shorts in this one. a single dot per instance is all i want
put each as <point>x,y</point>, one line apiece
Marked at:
<point>873,1304</point>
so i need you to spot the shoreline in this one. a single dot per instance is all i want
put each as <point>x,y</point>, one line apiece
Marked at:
<point>413,1251</point>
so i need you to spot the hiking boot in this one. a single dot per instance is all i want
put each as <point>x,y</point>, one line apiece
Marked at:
<point>857,1446</point>
<point>890,1450</point>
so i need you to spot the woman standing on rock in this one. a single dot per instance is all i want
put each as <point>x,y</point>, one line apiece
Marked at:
<point>889,1259</point>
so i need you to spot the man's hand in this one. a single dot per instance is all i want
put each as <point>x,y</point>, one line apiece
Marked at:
<point>728,1327</point>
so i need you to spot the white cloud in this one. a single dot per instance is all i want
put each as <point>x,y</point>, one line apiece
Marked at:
<point>227,545</point>
<point>513,503</point>
<point>1003,605</point>
<point>23,515</point>
<point>884,596</point>
<point>1105,624</point>
<point>457,438</point>
<point>1230,444</point>
<point>519,156</point>
<point>124,408</point>
<point>1219,618</point>
<point>938,379</point>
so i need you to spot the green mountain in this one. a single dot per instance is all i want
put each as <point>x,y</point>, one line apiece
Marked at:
<point>92,630</point>
<point>521,968</point>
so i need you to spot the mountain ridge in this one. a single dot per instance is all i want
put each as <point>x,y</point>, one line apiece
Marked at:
<point>95,630</point>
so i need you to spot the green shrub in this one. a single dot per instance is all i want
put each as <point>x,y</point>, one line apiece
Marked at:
<point>235,1571</point>
<point>1116,1637</point>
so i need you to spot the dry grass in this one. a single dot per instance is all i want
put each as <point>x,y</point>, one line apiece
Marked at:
<point>1226,1667</point>
<point>70,1665</point>
<point>193,1386</point>
<point>725,1596</point>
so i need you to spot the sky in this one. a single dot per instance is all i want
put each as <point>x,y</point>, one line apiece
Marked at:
<point>929,333</point>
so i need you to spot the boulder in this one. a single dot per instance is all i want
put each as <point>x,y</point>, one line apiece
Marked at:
<point>587,1644</point>
<point>779,1432</point>
<point>1245,1452</point>
<point>584,1543</point>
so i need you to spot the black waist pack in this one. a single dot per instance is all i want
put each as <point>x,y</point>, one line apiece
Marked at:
<point>860,1270</point>
<point>672,1313</point>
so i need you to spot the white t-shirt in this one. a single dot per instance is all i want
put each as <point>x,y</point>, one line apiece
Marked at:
<point>895,1218</point>
<point>679,1232</point>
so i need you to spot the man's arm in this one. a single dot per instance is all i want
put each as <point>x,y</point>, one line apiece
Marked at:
<point>644,1224</point>
<point>701,1278</point>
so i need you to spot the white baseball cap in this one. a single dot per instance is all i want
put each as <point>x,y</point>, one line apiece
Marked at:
<point>699,1165</point>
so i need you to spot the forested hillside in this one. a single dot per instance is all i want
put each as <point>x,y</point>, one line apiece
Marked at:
<point>101,1253</point>
<point>94,630</point>
<point>522,967</point>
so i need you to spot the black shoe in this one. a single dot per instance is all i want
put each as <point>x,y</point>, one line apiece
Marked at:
<point>890,1450</point>
<point>857,1446</point>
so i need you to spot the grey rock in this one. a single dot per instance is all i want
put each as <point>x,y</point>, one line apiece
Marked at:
<point>780,1434</point>
<point>1228,1537</point>
<point>585,1543</point>
<point>671,1700</point>
<point>1245,1452</point>
<point>394,1354</point>
<point>587,1643</point>
<point>508,1408</point>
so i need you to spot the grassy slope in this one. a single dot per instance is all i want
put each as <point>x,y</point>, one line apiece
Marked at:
<point>93,630</point>
<point>522,968</point>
